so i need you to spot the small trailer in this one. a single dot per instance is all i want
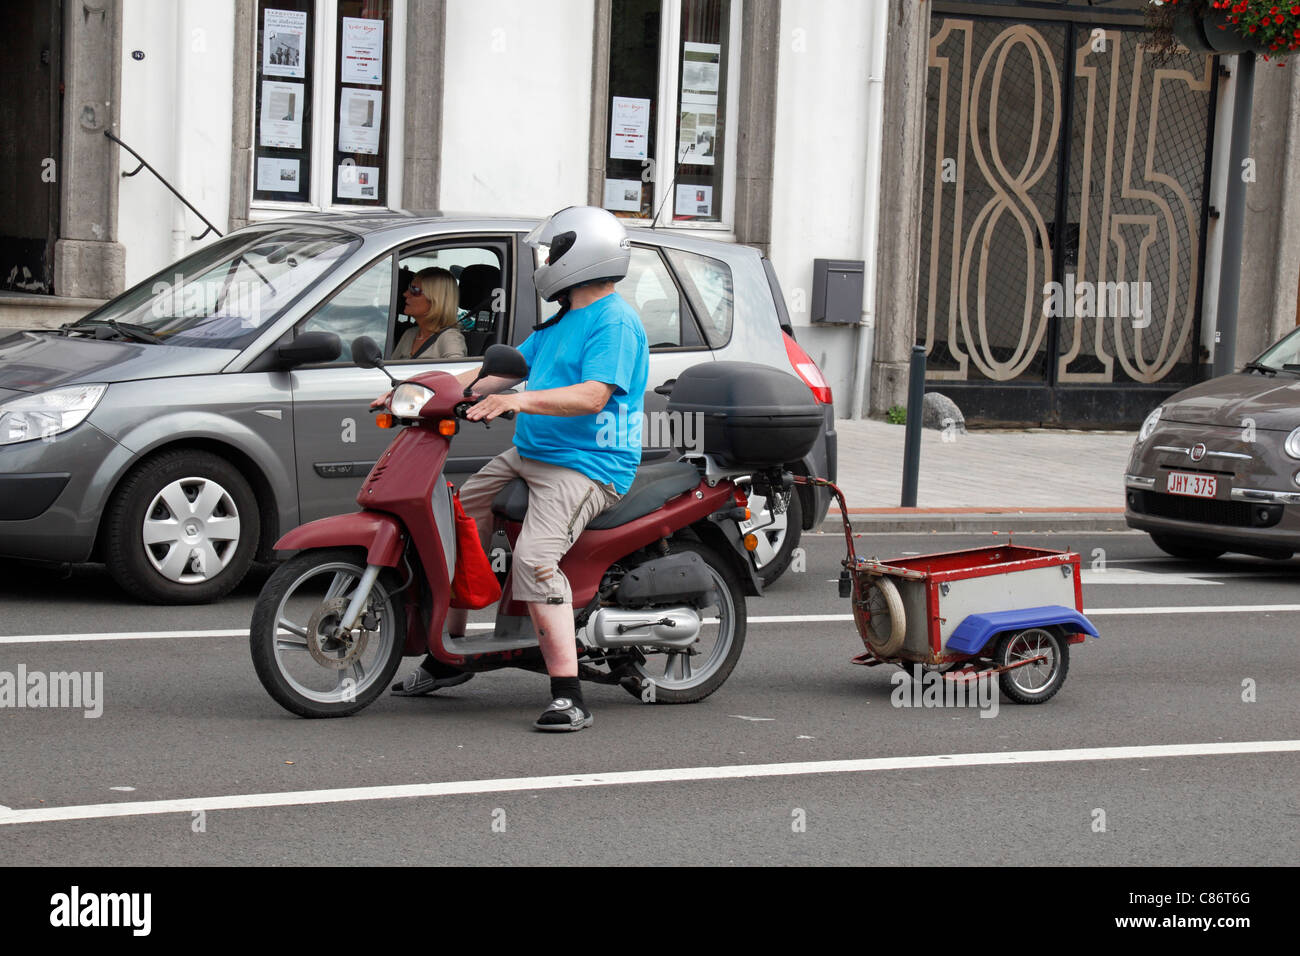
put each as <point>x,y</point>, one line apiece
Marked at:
<point>1003,609</point>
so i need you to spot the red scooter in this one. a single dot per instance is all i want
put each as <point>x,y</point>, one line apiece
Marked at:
<point>659,581</point>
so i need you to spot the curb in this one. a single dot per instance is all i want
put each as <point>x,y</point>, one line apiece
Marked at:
<point>948,521</point>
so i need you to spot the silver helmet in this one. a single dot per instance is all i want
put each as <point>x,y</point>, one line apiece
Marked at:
<point>580,244</point>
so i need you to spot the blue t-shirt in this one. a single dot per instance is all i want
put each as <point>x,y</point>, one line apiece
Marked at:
<point>602,342</point>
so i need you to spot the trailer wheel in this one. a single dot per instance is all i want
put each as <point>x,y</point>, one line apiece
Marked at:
<point>1032,683</point>
<point>886,627</point>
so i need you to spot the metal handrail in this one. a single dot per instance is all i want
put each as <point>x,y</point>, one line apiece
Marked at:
<point>145,165</point>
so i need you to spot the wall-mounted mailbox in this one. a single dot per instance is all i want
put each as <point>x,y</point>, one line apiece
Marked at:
<point>837,291</point>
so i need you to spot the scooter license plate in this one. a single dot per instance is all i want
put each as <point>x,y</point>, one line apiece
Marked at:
<point>1192,485</point>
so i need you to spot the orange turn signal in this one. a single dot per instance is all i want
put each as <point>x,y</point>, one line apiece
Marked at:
<point>447,426</point>
<point>748,514</point>
<point>751,542</point>
<point>384,420</point>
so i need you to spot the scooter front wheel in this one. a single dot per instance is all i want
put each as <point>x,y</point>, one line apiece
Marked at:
<point>305,662</point>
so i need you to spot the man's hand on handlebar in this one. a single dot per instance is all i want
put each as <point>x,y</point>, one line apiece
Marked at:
<point>494,406</point>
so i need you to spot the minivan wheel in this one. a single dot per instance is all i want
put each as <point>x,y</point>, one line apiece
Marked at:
<point>778,535</point>
<point>1188,550</point>
<point>182,528</point>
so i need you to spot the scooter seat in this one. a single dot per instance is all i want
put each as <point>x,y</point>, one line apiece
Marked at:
<point>654,485</point>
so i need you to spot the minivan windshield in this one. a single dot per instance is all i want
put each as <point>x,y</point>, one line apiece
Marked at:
<point>1284,355</point>
<point>225,294</point>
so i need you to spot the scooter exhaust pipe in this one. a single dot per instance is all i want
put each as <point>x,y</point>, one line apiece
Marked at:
<point>672,627</point>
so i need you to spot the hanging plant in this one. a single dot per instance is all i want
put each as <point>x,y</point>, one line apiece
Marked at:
<point>1223,26</point>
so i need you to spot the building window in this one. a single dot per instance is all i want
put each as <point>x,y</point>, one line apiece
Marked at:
<point>672,93</point>
<point>324,97</point>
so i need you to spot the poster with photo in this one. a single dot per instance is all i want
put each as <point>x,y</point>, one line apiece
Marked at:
<point>694,200</point>
<point>360,112</point>
<point>358,182</point>
<point>282,43</point>
<point>629,128</point>
<point>277,175</point>
<point>281,119</point>
<point>623,195</point>
<point>698,121</point>
<point>363,52</point>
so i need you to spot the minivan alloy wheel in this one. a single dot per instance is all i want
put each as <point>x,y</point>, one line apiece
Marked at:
<point>777,534</point>
<point>191,530</point>
<point>182,528</point>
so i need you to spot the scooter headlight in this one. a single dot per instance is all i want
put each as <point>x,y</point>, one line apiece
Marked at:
<point>1149,425</point>
<point>408,398</point>
<point>46,414</point>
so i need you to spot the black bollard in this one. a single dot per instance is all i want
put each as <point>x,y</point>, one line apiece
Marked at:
<point>912,440</point>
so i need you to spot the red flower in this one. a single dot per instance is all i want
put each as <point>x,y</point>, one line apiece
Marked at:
<point>1295,11</point>
<point>1279,18</point>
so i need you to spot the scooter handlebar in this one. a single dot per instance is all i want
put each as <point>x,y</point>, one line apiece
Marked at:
<point>463,407</point>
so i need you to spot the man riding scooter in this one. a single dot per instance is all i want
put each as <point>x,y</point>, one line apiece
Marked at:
<point>589,364</point>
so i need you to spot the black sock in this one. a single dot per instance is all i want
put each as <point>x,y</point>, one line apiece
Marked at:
<point>436,668</point>
<point>571,688</point>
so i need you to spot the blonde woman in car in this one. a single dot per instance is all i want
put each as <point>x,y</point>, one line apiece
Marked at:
<point>432,299</point>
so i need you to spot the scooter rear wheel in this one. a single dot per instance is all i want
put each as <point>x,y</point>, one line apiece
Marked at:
<point>306,668</point>
<point>678,677</point>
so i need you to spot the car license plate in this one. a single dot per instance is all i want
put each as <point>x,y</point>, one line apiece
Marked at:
<point>1195,486</point>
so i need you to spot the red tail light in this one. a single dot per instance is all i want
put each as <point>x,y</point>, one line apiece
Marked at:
<point>807,370</point>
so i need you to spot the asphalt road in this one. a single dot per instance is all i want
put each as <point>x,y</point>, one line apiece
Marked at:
<point>185,717</point>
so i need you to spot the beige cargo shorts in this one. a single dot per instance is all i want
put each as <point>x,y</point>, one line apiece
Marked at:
<point>561,502</point>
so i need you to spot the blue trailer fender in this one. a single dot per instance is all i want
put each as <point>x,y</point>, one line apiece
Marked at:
<point>975,630</point>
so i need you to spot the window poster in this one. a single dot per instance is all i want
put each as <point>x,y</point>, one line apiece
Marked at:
<point>698,122</point>
<point>363,52</point>
<point>623,195</point>
<point>360,112</point>
<point>629,128</point>
<point>281,114</point>
<point>358,182</point>
<point>282,43</point>
<point>277,175</point>
<point>694,200</point>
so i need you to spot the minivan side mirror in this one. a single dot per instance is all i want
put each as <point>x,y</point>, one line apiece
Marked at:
<point>310,348</point>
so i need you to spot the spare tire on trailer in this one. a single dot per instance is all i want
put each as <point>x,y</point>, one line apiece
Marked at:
<point>880,617</point>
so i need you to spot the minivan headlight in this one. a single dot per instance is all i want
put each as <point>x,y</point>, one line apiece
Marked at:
<point>1149,425</point>
<point>408,398</point>
<point>46,414</point>
<point>1292,444</point>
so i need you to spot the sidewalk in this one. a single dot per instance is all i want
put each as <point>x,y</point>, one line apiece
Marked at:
<point>1027,480</point>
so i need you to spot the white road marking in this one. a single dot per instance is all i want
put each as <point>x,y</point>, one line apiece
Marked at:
<point>115,636</point>
<point>1113,575</point>
<point>743,717</point>
<point>754,619</point>
<point>1201,609</point>
<point>248,801</point>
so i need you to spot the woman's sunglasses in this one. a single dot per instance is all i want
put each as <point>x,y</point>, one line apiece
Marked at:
<point>414,289</point>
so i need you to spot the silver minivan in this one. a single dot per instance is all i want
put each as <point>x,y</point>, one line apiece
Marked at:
<point>177,431</point>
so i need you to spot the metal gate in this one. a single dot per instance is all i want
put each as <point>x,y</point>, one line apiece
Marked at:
<point>1034,125</point>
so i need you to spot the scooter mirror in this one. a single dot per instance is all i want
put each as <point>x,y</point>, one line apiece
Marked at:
<point>502,360</point>
<point>505,361</point>
<point>366,353</point>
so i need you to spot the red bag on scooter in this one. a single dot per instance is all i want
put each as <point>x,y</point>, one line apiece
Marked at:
<point>473,586</point>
